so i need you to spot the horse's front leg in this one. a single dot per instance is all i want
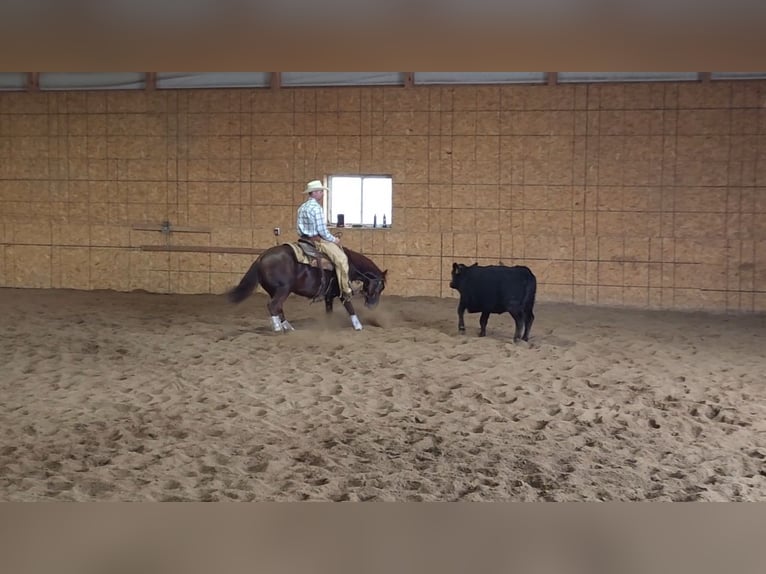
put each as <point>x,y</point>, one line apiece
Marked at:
<point>285,324</point>
<point>354,319</point>
<point>328,303</point>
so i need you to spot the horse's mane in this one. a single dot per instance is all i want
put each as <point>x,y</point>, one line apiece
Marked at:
<point>361,262</point>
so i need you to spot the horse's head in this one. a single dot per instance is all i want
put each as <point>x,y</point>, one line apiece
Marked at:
<point>361,268</point>
<point>373,287</point>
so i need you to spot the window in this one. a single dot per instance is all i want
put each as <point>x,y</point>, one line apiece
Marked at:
<point>363,200</point>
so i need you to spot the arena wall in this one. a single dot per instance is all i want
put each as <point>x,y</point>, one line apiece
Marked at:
<point>647,195</point>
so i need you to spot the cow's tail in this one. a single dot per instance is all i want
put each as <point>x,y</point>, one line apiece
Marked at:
<point>246,286</point>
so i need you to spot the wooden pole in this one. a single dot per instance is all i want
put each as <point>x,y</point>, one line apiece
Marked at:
<point>33,81</point>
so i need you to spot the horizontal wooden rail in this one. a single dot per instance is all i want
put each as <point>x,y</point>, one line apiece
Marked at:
<point>169,229</point>
<point>202,249</point>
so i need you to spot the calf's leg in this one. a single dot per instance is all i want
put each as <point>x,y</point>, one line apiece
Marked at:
<point>460,321</point>
<point>518,318</point>
<point>483,323</point>
<point>529,318</point>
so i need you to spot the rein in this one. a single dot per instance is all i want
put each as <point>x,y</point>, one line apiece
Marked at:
<point>367,275</point>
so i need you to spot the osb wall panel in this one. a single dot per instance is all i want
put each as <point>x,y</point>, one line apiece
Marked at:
<point>646,195</point>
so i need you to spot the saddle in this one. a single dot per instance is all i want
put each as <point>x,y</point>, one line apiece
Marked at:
<point>308,254</point>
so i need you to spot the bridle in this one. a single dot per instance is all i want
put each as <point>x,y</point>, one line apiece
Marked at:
<point>378,282</point>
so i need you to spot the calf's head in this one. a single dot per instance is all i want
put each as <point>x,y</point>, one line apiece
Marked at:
<point>458,274</point>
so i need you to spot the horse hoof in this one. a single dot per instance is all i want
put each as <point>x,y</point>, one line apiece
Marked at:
<point>287,326</point>
<point>356,323</point>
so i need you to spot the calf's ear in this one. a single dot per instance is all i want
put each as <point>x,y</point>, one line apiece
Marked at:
<point>454,267</point>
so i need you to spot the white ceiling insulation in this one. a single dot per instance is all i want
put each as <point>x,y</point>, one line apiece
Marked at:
<point>592,77</point>
<point>92,81</point>
<point>200,80</point>
<point>480,77</point>
<point>12,80</point>
<point>307,79</point>
<point>736,75</point>
<point>213,80</point>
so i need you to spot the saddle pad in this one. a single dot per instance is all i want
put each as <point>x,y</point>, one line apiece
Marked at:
<point>301,256</point>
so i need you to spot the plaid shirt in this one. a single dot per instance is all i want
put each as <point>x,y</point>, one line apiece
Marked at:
<point>311,220</point>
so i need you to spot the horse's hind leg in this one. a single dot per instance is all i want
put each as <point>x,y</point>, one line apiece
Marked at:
<point>278,321</point>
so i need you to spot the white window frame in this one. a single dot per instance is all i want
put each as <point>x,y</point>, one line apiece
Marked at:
<point>357,219</point>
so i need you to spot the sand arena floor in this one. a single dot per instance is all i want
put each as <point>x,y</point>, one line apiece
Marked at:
<point>141,397</point>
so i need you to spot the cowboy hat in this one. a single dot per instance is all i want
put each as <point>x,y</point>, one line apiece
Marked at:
<point>314,185</point>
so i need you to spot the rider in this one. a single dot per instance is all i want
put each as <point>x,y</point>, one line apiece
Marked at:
<point>312,226</point>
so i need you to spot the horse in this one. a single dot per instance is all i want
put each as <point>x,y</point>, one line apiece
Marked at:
<point>278,271</point>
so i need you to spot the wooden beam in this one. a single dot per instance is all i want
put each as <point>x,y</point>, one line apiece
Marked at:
<point>203,249</point>
<point>409,79</point>
<point>171,228</point>
<point>704,77</point>
<point>33,81</point>
<point>276,80</point>
<point>151,81</point>
<point>552,77</point>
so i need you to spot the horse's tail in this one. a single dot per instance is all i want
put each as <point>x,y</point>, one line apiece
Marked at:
<point>246,286</point>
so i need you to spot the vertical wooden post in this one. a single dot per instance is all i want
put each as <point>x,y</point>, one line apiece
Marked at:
<point>552,77</point>
<point>151,81</point>
<point>409,79</point>
<point>33,81</point>
<point>276,80</point>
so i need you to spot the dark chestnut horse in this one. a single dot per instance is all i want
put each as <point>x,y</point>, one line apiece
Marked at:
<point>277,270</point>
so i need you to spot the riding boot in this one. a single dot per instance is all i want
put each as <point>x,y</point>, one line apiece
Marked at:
<point>347,296</point>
